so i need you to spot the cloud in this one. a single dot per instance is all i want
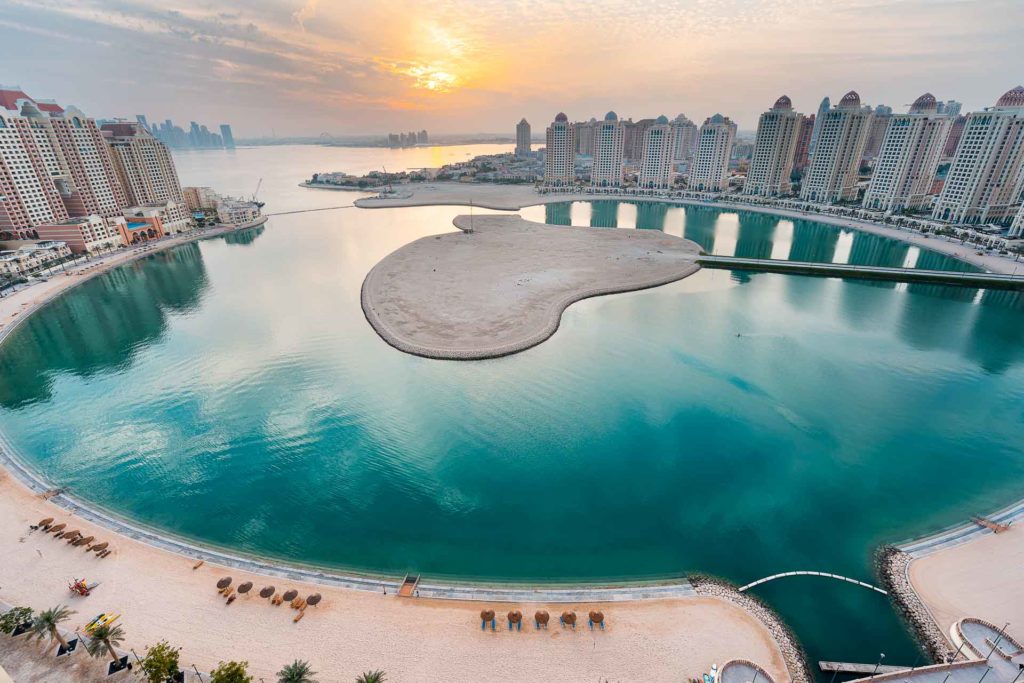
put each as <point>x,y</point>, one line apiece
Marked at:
<point>307,11</point>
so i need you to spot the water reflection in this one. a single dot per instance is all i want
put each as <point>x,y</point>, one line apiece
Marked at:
<point>244,237</point>
<point>117,315</point>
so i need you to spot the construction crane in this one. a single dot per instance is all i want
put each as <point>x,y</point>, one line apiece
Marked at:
<point>258,185</point>
<point>387,179</point>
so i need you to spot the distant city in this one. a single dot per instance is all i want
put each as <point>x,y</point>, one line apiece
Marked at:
<point>197,136</point>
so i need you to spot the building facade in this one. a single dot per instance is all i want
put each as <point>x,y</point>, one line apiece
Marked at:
<point>87,234</point>
<point>771,165</point>
<point>908,158</point>
<point>985,182</point>
<point>685,132</point>
<point>656,156</point>
<point>825,105</point>
<point>523,143</point>
<point>560,153</point>
<point>802,154</point>
<point>31,258</point>
<point>144,165</point>
<point>1017,228</point>
<point>608,143</point>
<point>710,167</point>
<point>876,131</point>
<point>835,162</point>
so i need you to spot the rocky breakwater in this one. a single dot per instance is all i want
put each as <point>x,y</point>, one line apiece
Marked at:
<point>892,565</point>
<point>792,653</point>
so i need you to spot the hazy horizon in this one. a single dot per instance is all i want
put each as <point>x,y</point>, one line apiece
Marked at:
<point>305,67</point>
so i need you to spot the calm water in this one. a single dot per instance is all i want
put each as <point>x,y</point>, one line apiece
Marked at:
<point>231,391</point>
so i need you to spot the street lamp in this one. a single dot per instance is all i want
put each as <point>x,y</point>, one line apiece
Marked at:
<point>881,656</point>
<point>996,644</point>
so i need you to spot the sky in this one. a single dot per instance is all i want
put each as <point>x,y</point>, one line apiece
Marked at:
<point>307,67</point>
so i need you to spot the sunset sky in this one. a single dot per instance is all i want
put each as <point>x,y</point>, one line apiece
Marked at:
<point>302,67</point>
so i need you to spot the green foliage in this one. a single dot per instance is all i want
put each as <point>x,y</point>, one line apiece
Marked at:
<point>103,639</point>
<point>47,621</point>
<point>231,672</point>
<point>160,662</point>
<point>297,672</point>
<point>372,677</point>
<point>13,618</point>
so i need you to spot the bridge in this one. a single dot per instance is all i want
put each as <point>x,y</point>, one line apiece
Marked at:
<point>808,573</point>
<point>978,280</point>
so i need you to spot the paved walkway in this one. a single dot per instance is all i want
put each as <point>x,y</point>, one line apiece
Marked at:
<point>962,533</point>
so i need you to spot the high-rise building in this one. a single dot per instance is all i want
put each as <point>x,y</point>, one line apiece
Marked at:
<point>608,142</point>
<point>585,137</point>
<point>771,165</point>
<point>956,131</point>
<point>685,132</point>
<point>560,153</point>
<point>950,108</point>
<point>633,147</point>
<point>984,182</point>
<point>225,135</point>
<point>876,131</point>
<point>656,155</point>
<point>422,138</point>
<point>802,154</point>
<point>835,163</point>
<point>141,118</point>
<point>825,105</point>
<point>97,187</point>
<point>908,157</point>
<point>523,138</point>
<point>709,171</point>
<point>144,165</point>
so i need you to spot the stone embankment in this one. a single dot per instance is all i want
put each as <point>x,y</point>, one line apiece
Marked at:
<point>892,566</point>
<point>792,653</point>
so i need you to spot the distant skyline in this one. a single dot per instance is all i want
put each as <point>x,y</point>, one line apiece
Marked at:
<point>304,67</point>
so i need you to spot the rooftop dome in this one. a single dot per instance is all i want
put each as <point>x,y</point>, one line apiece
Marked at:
<point>783,103</point>
<point>924,103</point>
<point>851,100</point>
<point>1012,98</point>
<point>661,119</point>
<point>611,116</point>
<point>717,118</point>
<point>561,117</point>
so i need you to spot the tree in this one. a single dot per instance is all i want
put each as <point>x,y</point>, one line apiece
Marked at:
<point>103,639</point>
<point>372,677</point>
<point>160,662</point>
<point>231,672</point>
<point>297,672</point>
<point>15,617</point>
<point>47,621</point>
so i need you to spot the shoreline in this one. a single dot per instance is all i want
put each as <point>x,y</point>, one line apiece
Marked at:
<point>516,197</point>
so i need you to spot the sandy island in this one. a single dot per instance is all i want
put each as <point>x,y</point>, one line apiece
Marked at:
<point>515,197</point>
<point>500,286</point>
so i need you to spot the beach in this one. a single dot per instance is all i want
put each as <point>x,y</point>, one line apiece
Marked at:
<point>160,596</point>
<point>500,286</point>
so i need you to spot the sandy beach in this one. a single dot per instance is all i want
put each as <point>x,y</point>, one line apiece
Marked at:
<point>979,578</point>
<point>501,286</point>
<point>515,197</point>
<point>160,596</point>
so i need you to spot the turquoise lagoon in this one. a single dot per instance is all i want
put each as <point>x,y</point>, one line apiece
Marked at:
<point>230,391</point>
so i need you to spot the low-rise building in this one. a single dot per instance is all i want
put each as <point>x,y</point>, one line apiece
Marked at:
<point>32,257</point>
<point>174,216</point>
<point>237,211</point>
<point>87,234</point>
<point>200,198</point>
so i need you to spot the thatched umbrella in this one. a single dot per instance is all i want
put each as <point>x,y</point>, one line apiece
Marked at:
<point>72,535</point>
<point>45,523</point>
<point>541,619</point>
<point>245,587</point>
<point>57,528</point>
<point>99,547</point>
<point>224,583</point>
<point>486,615</point>
<point>596,618</point>
<point>267,592</point>
<point>290,595</point>
<point>515,618</point>
<point>84,541</point>
<point>569,618</point>
<point>313,599</point>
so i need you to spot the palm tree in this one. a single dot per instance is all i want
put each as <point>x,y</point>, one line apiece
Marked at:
<point>102,640</point>
<point>297,672</point>
<point>46,623</point>
<point>372,677</point>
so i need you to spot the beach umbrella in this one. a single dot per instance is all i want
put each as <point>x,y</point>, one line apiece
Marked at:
<point>569,618</point>
<point>486,615</point>
<point>99,547</point>
<point>515,617</point>
<point>84,541</point>
<point>71,534</point>
<point>267,592</point>
<point>290,595</point>
<point>313,599</point>
<point>224,583</point>
<point>597,617</point>
<point>56,529</point>
<point>541,617</point>
<point>45,523</point>
<point>245,587</point>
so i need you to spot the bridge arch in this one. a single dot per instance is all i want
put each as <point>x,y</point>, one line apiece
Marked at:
<point>826,575</point>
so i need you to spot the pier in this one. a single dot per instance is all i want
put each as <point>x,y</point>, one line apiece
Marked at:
<point>981,280</point>
<point>854,668</point>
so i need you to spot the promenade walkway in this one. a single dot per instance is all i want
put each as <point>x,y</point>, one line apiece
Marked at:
<point>943,277</point>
